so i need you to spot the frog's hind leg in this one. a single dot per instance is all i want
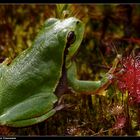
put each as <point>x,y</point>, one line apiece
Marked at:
<point>32,121</point>
<point>33,110</point>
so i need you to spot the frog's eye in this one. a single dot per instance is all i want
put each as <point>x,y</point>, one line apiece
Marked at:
<point>71,37</point>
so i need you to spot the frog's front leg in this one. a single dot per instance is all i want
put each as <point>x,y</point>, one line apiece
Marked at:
<point>86,87</point>
<point>32,110</point>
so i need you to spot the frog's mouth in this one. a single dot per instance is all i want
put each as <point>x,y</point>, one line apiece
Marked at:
<point>75,54</point>
<point>68,58</point>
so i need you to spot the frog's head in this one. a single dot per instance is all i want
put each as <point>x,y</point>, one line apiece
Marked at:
<point>73,31</point>
<point>70,34</point>
<point>74,36</point>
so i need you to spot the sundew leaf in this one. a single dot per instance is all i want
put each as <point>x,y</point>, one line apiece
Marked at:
<point>130,78</point>
<point>120,122</point>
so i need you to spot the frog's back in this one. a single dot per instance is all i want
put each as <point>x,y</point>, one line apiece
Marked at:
<point>37,68</point>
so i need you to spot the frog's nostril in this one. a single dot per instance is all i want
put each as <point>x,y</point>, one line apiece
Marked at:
<point>77,22</point>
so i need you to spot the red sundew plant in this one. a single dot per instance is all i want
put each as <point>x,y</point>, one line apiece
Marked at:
<point>120,122</point>
<point>128,78</point>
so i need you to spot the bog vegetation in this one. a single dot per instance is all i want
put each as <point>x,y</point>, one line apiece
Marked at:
<point>110,30</point>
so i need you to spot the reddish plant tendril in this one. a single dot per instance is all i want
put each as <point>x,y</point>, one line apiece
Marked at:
<point>129,78</point>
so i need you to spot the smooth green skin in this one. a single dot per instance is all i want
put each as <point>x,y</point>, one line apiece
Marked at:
<point>28,84</point>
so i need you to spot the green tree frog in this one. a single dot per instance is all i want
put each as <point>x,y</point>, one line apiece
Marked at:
<point>32,83</point>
